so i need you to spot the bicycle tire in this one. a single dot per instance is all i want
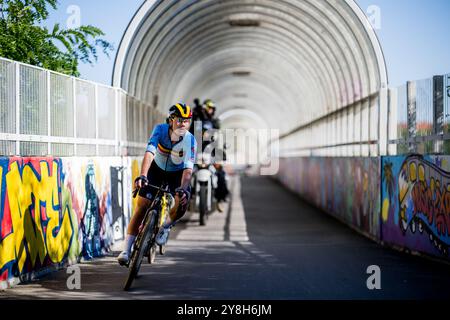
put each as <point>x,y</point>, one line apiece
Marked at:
<point>203,205</point>
<point>151,251</point>
<point>140,247</point>
<point>152,254</point>
<point>150,244</point>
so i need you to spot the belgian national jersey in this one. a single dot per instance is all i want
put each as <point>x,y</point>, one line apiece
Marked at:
<point>172,156</point>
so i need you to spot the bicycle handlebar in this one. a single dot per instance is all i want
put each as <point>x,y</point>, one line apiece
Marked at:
<point>135,191</point>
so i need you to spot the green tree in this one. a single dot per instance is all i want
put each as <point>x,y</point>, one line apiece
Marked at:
<point>24,39</point>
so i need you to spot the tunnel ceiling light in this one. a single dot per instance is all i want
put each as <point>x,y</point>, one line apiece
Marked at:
<point>244,23</point>
<point>241,73</point>
<point>244,20</point>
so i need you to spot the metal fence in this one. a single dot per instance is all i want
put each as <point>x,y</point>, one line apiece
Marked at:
<point>419,117</point>
<point>46,113</point>
<point>352,131</point>
<point>416,120</point>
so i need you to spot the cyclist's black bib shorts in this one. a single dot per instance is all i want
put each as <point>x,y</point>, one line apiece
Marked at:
<point>157,176</point>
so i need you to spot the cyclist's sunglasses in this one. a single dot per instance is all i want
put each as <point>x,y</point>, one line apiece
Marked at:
<point>181,120</point>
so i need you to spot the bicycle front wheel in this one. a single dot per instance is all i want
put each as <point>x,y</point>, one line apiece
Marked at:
<point>140,248</point>
<point>203,204</point>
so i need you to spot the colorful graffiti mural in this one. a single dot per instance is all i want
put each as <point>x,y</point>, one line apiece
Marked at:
<point>90,223</point>
<point>403,201</point>
<point>54,212</point>
<point>416,203</point>
<point>38,222</point>
<point>348,188</point>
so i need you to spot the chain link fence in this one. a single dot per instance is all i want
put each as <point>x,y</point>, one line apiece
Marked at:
<point>46,113</point>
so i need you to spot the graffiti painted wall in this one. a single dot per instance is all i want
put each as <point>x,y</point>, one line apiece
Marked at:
<point>54,212</point>
<point>416,203</point>
<point>403,201</point>
<point>348,188</point>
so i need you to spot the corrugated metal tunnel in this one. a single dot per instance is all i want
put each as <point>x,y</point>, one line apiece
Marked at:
<point>267,64</point>
<point>376,159</point>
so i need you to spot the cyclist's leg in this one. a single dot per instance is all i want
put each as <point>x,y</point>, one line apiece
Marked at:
<point>154,177</point>
<point>139,212</point>
<point>177,212</point>
<point>133,228</point>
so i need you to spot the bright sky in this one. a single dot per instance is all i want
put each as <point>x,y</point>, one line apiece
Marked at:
<point>413,34</point>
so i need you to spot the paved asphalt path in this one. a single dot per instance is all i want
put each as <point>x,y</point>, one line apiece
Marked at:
<point>268,244</point>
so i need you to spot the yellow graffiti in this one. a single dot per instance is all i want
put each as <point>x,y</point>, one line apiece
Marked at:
<point>385,210</point>
<point>432,184</point>
<point>412,172</point>
<point>444,165</point>
<point>365,182</point>
<point>134,174</point>
<point>7,252</point>
<point>421,173</point>
<point>403,185</point>
<point>75,248</point>
<point>27,229</point>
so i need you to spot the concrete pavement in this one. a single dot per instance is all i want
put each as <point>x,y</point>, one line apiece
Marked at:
<point>268,244</point>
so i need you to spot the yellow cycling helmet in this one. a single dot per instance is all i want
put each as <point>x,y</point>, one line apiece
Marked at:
<point>209,104</point>
<point>180,110</point>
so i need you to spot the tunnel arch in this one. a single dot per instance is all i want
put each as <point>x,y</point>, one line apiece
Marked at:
<point>305,59</point>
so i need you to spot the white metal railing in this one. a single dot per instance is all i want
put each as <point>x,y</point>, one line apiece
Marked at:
<point>352,131</point>
<point>47,113</point>
<point>416,120</point>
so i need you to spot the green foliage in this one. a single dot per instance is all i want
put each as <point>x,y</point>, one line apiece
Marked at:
<point>23,39</point>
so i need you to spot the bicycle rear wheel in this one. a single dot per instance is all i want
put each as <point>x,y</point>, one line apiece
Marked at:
<point>140,248</point>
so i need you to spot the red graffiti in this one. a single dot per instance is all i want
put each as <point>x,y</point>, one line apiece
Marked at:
<point>434,204</point>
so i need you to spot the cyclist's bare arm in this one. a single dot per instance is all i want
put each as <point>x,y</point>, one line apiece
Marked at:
<point>146,163</point>
<point>185,182</point>
<point>186,179</point>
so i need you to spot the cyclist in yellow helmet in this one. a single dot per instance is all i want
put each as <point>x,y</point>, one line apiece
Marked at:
<point>170,157</point>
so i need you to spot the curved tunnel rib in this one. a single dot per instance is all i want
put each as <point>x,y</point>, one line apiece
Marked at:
<point>317,65</point>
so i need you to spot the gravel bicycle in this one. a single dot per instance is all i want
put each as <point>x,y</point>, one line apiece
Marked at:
<point>145,244</point>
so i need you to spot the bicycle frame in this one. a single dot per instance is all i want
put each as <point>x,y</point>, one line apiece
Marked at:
<point>145,240</point>
<point>160,202</point>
